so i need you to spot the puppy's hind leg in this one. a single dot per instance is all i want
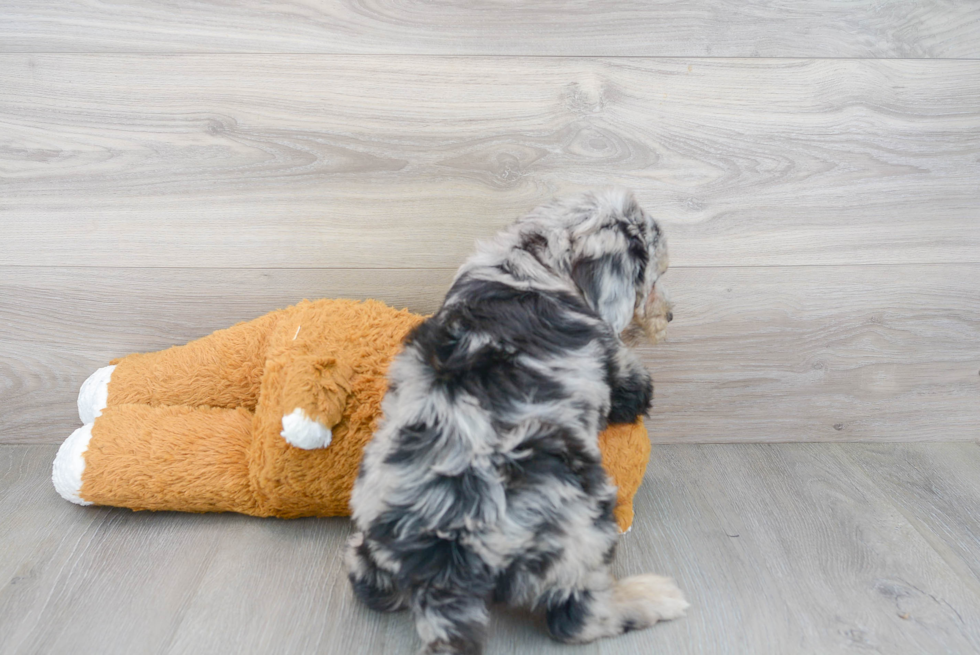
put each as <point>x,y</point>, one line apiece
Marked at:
<point>605,607</point>
<point>374,586</point>
<point>450,620</point>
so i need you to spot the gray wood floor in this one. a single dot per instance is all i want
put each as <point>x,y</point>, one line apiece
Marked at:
<point>781,548</point>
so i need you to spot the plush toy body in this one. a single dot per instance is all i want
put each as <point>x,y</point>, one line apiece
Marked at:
<point>267,418</point>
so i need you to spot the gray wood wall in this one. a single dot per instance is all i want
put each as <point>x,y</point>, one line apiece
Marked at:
<point>166,170</point>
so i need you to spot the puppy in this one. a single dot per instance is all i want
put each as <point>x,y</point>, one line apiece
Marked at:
<point>484,479</point>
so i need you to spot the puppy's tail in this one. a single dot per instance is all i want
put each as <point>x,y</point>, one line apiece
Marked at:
<point>631,604</point>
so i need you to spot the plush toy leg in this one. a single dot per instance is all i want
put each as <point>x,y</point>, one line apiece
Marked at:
<point>160,458</point>
<point>223,369</point>
<point>94,394</point>
<point>69,464</point>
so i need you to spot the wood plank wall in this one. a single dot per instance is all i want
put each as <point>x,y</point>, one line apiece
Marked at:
<point>166,170</point>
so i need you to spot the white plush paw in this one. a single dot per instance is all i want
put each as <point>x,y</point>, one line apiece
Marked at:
<point>69,464</point>
<point>303,432</point>
<point>650,598</point>
<point>94,394</point>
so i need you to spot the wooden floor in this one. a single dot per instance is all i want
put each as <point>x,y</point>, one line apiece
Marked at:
<point>781,548</point>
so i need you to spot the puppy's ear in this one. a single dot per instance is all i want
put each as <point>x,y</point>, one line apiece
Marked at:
<point>607,281</point>
<point>609,256</point>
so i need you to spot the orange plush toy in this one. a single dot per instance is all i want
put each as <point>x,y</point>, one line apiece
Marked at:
<point>268,418</point>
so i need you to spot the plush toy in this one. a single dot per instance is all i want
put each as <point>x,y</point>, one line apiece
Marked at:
<point>267,418</point>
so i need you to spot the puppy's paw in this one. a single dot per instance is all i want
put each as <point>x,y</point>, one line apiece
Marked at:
<point>304,432</point>
<point>646,599</point>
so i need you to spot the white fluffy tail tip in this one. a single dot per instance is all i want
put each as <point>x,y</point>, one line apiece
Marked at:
<point>69,464</point>
<point>94,394</point>
<point>303,432</point>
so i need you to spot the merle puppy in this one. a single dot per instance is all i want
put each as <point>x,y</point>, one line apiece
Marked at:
<point>484,479</point>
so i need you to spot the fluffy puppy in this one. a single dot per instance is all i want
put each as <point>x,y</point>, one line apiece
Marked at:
<point>484,479</point>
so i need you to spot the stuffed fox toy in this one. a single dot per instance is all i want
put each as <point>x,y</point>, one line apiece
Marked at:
<point>267,418</point>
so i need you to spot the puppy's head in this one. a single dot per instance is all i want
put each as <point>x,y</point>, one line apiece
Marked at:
<point>616,257</point>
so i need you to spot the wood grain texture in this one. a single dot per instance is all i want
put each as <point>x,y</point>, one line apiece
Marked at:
<point>937,490</point>
<point>780,548</point>
<point>93,580</point>
<point>719,28</point>
<point>790,549</point>
<point>312,161</point>
<point>884,353</point>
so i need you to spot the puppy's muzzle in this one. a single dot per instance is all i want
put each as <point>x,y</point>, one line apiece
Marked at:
<point>650,320</point>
